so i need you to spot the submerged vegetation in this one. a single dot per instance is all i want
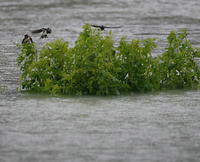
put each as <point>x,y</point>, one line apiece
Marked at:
<point>94,66</point>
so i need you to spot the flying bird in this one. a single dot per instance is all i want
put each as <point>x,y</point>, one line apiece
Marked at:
<point>44,32</point>
<point>102,27</point>
<point>27,39</point>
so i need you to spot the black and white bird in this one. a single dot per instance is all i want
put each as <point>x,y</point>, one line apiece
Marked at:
<point>44,32</point>
<point>27,39</point>
<point>102,27</point>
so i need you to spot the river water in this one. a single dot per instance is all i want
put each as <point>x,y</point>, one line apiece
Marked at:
<point>153,127</point>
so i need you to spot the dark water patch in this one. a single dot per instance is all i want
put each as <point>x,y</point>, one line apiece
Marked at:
<point>167,20</point>
<point>27,6</point>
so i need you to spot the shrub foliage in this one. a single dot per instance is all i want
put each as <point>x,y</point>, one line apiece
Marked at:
<point>94,66</point>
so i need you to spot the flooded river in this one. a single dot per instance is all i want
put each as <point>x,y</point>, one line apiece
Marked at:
<point>153,127</point>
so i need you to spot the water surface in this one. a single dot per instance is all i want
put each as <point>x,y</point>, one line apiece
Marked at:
<point>163,126</point>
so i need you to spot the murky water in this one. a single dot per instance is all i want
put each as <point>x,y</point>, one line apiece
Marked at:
<point>152,127</point>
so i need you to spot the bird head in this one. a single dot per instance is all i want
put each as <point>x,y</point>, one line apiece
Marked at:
<point>49,30</point>
<point>26,35</point>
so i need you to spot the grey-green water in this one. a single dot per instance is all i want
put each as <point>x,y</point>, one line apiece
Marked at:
<point>153,127</point>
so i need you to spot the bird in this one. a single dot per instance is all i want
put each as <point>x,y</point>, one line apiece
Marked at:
<point>102,27</point>
<point>44,32</point>
<point>27,39</point>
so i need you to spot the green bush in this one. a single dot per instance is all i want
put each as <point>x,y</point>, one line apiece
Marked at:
<point>94,66</point>
<point>138,67</point>
<point>176,65</point>
<point>25,59</point>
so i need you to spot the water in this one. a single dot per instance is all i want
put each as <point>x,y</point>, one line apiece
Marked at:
<point>153,127</point>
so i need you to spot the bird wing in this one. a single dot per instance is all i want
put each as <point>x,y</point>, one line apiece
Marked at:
<point>48,31</point>
<point>31,39</point>
<point>112,26</point>
<point>23,41</point>
<point>37,31</point>
<point>97,26</point>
